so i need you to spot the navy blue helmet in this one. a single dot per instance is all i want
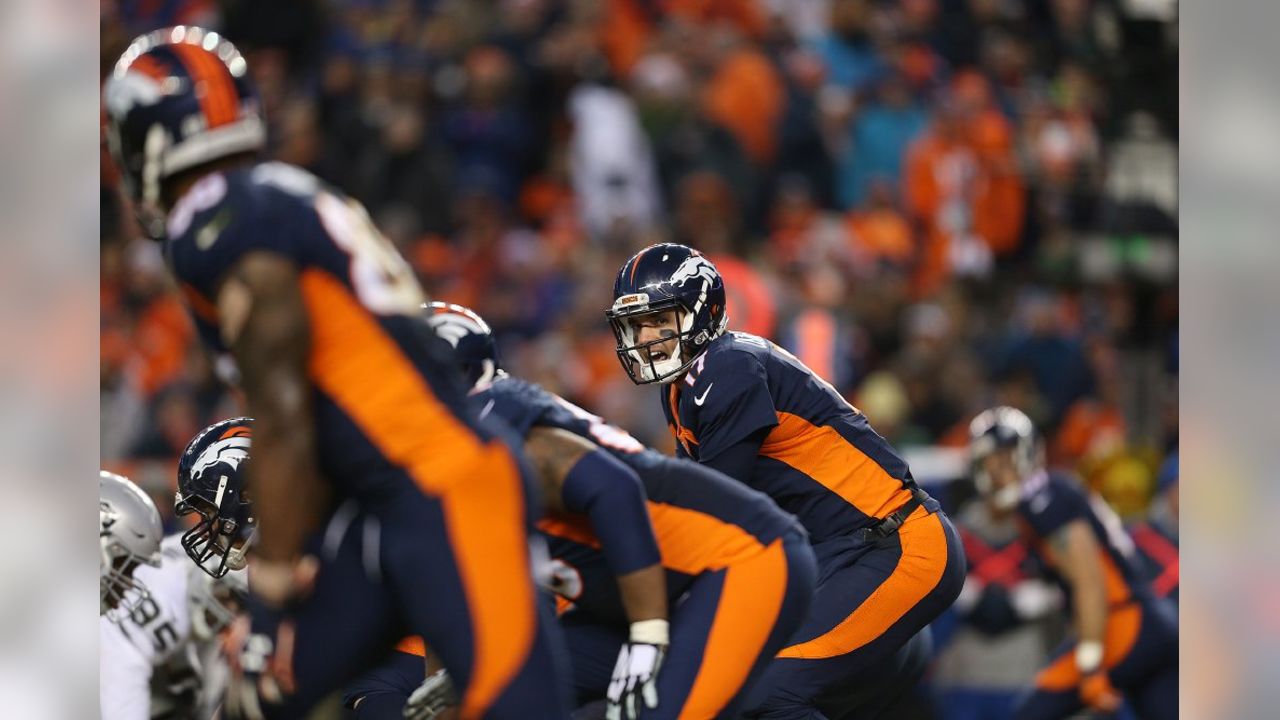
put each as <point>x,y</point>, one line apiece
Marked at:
<point>177,98</point>
<point>474,349</point>
<point>665,277</point>
<point>211,484</point>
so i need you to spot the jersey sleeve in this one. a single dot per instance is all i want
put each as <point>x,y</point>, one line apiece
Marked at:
<point>249,216</point>
<point>731,402</point>
<point>1053,504</point>
<point>124,676</point>
<point>510,402</point>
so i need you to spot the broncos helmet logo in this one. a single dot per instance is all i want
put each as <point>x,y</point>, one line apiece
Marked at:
<point>457,322</point>
<point>231,449</point>
<point>694,266</point>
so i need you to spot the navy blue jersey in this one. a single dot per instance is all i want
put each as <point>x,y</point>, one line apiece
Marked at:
<point>1049,502</point>
<point>378,380</point>
<point>820,459</point>
<point>701,519</point>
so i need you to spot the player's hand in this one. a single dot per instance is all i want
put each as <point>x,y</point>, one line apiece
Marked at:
<point>276,583</point>
<point>1098,693</point>
<point>261,665</point>
<point>635,676</point>
<point>433,699</point>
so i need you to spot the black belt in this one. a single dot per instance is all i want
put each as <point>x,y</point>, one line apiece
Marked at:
<point>891,522</point>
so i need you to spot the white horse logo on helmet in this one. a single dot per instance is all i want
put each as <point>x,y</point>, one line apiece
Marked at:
<point>695,266</point>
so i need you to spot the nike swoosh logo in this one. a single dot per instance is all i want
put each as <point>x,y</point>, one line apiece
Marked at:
<point>699,400</point>
<point>208,234</point>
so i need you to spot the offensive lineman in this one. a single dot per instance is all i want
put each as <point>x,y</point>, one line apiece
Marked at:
<point>309,308</point>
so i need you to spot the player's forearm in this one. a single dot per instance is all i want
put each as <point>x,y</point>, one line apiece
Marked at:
<point>644,593</point>
<point>1088,587</point>
<point>270,343</point>
<point>282,479</point>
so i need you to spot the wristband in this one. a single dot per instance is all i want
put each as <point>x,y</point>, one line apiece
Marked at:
<point>1088,656</point>
<point>650,632</point>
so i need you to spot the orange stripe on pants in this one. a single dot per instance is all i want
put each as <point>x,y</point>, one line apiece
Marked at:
<point>1121,633</point>
<point>919,568</point>
<point>750,599</point>
<point>365,373</point>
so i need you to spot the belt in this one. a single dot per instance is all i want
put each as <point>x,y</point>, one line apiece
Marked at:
<point>891,522</point>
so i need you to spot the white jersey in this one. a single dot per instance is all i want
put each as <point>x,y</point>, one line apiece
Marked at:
<point>149,658</point>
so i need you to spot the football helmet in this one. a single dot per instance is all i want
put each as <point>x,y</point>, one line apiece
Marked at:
<point>1003,428</point>
<point>211,484</point>
<point>214,602</point>
<point>472,340</point>
<point>129,535</point>
<point>177,98</point>
<point>662,277</point>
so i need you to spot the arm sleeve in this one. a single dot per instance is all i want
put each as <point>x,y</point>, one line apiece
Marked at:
<point>736,404</point>
<point>1053,506</point>
<point>738,459</point>
<point>610,494</point>
<point>124,677</point>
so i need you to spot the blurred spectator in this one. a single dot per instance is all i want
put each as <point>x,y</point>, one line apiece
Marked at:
<point>879,233</point>
<point>485,133</point>
<point>611,163</point>
<point>879,136</point>
<point>684,139</point>
<point>962,185</point>
<point>745,95</point>
<point>847,50</point>
<point>1042,348</point>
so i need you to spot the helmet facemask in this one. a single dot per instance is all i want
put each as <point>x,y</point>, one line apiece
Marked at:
<point>216,543</point>
<point>214,602</point>
<point>1024,456</point>
<point>635,356</point>
<point>119,591</point>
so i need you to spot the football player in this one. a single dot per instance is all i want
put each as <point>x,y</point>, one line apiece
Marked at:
<point>738,571</point>
<point>129,535</point>
<point>153,650</point>
<point>1125,641</point>
<point>889,559</point>
<point>163,659</point>
<point>311,311</point>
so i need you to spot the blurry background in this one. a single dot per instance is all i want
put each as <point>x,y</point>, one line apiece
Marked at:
<point>938,205</point>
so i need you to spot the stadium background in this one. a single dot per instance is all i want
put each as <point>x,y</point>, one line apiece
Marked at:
<point>937,204</point>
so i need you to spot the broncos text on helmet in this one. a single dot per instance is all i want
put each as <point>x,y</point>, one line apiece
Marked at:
<point>663,277</point>
<point>129,535</point>
<point>474,348</point>
<point>177,98</point>
<point>211,484</point>
<point>1003,428</point>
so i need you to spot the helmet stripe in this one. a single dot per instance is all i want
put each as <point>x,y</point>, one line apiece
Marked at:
<point>635,263</point>
<point>218,96</point>
<point>150,66</point>
<point>236,431</point>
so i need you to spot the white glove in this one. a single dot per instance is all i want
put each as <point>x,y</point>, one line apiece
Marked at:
<point>1032,599</point>
<point>636,672</point>
<point>432,697</point>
